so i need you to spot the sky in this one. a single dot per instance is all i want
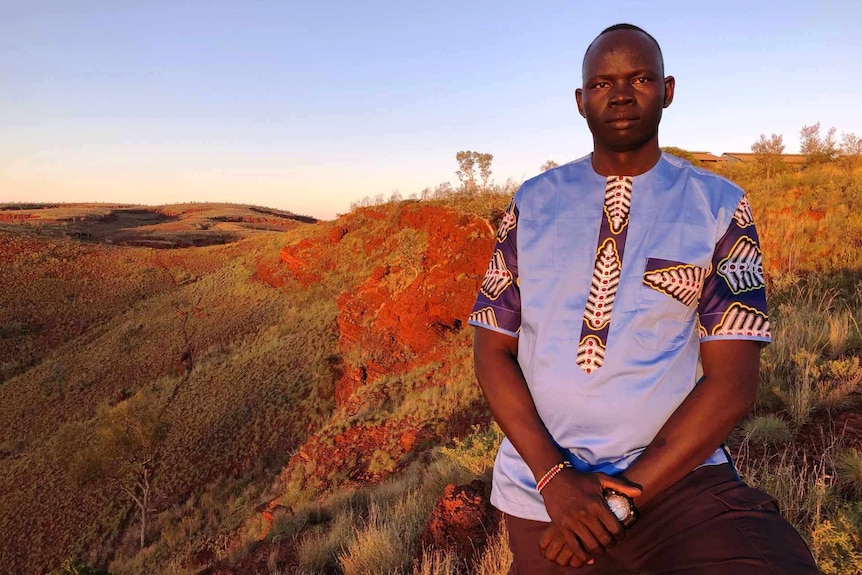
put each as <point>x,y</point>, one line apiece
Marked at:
<point>310,106</point>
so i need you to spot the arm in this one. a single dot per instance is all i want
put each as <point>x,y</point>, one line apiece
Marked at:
<point>574,500</point>
<point>703,420</point>
<point>731,366</point>
<point>694,430</point>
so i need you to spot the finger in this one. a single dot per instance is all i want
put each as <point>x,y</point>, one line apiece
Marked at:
<point>579,554</point>
<point>578,562</point>
<point>573,542</point>
<point>547,537</point>
<point>597,524</point>
<point>564,556</point>
<point>554,548</point>
<point>620,484</point>
<point>588,539</point>
<point>610,525</point>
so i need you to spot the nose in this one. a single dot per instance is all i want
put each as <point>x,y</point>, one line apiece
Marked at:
<point>621,93</point>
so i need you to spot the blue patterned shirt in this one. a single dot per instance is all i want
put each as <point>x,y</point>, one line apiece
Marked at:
<point>610,284</point>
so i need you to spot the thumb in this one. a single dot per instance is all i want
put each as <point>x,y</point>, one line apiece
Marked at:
<point>620,484</point>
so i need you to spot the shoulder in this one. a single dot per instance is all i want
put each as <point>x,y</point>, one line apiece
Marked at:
<point>716,188</point>
<point>543,187</point>
<point>718,199</point>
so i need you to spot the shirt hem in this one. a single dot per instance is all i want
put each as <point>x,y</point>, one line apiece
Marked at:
<point>519,510</point>
<point>493,328</point>
<point>764,340</point>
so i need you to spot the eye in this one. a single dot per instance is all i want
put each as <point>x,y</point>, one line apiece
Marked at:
<point>601,85</point>
<point>642,80</point>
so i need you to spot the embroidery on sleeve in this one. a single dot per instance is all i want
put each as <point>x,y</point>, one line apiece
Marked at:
<point>740,319</point>
<point>508,222</point>
<point>497,277</point>
<point>486,316</point>
<point>742,269</point>
<point>743,215</point>
<point>701,331</point>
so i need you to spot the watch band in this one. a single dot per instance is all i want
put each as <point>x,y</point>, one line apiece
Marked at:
<point>622,506</point>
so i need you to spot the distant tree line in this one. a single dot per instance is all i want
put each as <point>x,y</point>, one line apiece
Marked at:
<point>817,148</point>
<point>474,175</point>
<point>474,168</point>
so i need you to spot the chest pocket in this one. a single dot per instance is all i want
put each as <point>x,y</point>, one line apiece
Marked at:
<point>666,303</point>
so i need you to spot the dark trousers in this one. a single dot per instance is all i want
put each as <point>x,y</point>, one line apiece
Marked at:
<point>709,523</point>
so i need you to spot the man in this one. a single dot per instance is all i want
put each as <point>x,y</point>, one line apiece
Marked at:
<point>619,328</point>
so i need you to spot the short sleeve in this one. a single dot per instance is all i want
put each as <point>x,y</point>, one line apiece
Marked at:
<point>498,306</point>
<point>733,300</point>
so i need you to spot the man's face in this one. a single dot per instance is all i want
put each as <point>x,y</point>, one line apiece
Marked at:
<point>623,92</point>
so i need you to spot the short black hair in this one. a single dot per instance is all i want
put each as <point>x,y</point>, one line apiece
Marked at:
<point>624,26</point>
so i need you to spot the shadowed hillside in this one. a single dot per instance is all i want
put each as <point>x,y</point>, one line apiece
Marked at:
<point>299,401</point>
<point>247,350</point>
<point>172,226</point>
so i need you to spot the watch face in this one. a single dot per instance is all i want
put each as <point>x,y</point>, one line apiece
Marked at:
<point>620,507</point>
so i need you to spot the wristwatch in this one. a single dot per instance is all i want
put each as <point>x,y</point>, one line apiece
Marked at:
<point>622,506</point>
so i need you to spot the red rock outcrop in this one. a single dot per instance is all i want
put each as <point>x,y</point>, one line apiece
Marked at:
<point>401,313</point>
<point>422,268</point>
<point>13,217</point>
<point>462,520</point>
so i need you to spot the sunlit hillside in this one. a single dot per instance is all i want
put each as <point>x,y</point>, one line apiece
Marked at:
<point>298,401</point>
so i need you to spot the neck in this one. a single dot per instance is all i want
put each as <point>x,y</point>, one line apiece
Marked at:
<point>629,163</point>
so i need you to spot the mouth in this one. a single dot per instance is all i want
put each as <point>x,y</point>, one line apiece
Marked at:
<point>622,123</point>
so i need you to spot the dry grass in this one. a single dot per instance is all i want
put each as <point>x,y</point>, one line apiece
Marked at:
<point>848,471</point>
<point>87,325</point>
<point>378,546</point>
<point>477,451</point>
<point>812,363</point>
<point>766,429</point>
<point>494,559</point>
<point>369,531</point>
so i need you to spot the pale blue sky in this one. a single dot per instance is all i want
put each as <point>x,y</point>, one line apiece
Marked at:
<point>308,106</point>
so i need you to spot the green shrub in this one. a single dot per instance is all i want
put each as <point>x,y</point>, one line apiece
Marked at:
<point>477,451</point>
<point>837,542</point>
<point>848,468</point>
<point>766,430</point>
<point>75,566</point>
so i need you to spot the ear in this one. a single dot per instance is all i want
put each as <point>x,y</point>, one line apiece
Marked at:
<point>669,85</point>
<point>579,95</point>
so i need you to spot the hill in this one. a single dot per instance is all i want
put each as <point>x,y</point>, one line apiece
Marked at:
<point>170,226</point>
<point>314,394</point>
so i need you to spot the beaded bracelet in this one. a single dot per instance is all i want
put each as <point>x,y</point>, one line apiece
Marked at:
<point>552,472</point>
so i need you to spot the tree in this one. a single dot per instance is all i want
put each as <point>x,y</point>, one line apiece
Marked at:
<point>121,453</point>
<point>816,148</point>
<point>468,162</point>
<point>851,149</point>
<point>484,162</point>
<point>768,152</point>
<point>466,170</point>
<point>549,165</point>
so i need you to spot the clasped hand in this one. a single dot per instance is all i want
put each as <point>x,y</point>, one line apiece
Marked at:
<point>582,525</point>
